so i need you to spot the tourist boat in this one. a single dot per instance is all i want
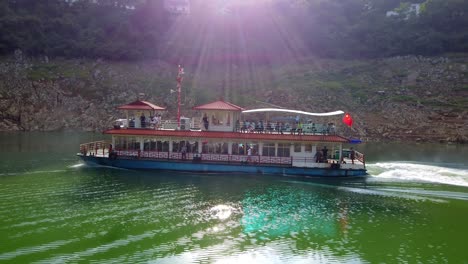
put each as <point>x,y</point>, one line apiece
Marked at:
<point>224,138</point>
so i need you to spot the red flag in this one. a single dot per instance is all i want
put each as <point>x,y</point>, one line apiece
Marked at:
<point>347,119</point>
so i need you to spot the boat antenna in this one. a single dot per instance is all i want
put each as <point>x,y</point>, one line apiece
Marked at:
<point>180,77</point>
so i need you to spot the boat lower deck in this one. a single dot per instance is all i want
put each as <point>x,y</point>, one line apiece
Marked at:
<point>223,163</point>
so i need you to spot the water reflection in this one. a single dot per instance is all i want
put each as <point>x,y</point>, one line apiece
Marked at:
<point>221,211</point>
<point>283,212</point>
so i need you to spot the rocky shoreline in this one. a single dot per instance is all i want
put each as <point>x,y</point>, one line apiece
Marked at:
<point>395,99</point>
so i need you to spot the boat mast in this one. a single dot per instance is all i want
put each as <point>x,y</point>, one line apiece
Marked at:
<point>180,77</point>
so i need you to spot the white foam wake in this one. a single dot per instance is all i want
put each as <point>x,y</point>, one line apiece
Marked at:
<point>30,172</point>
<point>419,172</point>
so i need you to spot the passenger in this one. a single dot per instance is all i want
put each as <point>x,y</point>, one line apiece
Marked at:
<point>299,128</point>
<point>206,123</point>
<point>252,126</point>
<point>151,121</point>
<point>325,153</point>
<point>157,121</point>
<point>318,156</point>
<point>269,128</point>
<point>184,151</point>
<point>332,128</point>
<point>352,155</point>
<point>249,154</point>
<point>143,120</point>
<point>244,127</point>
<point>261,126</point>
<point>237,125</point>
<point>154,122</point>
<point>294,128</point>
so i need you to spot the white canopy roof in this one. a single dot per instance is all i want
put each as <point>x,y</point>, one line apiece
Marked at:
<point>339,112</point>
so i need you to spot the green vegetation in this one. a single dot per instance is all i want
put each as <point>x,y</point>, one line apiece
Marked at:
<point>142,29</point>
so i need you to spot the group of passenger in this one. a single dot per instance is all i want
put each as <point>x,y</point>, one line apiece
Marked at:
<point>321,156</point>
<point>251,126</point>
<point>150,122</point>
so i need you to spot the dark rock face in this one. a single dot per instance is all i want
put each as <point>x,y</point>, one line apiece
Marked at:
<point>402,98</point>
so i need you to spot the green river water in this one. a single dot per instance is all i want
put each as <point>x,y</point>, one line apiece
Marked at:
<point>412,208</point>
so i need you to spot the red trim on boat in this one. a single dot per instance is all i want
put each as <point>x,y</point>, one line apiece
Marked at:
<point>226,135</point>
<point>141,105</point>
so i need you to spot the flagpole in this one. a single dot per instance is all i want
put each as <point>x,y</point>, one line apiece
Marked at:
<point>179,88</point>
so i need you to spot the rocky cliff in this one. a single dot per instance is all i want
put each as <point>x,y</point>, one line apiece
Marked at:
<point>399,98</point>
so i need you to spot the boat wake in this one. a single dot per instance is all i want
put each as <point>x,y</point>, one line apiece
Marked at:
<point>436,173</point>
<point>92,165</point>
<point>31,172</point>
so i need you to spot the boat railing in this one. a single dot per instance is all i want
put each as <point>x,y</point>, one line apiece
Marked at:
<point>95,148</point>
<point>168,124</point>
<point>361,157</point>
<point>242,127</point>
<point>204,157</point>
<point>286,127</point>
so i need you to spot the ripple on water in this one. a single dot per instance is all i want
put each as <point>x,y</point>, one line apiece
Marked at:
<point>35,249</point>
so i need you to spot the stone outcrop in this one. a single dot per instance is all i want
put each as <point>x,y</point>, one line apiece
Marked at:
<point>401,98</point>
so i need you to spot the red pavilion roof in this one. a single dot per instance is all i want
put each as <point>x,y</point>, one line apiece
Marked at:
<point>140,105</point>
<point>226,135</point>
<point>219,105</point>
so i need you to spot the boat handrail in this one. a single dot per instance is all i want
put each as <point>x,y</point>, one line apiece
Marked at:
<point>92,148</point>
<point>361,157</point>
<point>254,159</point>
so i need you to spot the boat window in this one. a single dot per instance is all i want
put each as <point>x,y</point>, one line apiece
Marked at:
<point>217,148</point>
<point>242,149</point>
<point>269,149</point>
<point>254,146</point>
<point>146,144</point>
<point>133,144</point>
<point>308,148</point>
<point>192,147</point>
<point>284,150</point>
<point>121,143</point>
<point>297,147</point>
<point>163,146</point>
<point>211,148</point>
<point>176,146</point>
<point>153,145</point>
<point>217,119</point>
<point>224,148</point>
<point>235,148</point>
<point>150,144</point>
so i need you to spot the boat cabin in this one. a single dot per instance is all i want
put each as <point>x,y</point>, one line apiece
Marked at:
<point>139,114</point>
<point>219,116</point>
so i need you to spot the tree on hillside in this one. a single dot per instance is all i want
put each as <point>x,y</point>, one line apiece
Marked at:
<point>138,29</point>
